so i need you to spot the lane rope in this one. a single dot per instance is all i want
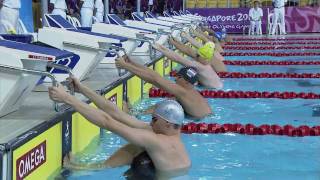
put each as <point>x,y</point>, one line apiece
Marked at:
<point>270,47</point>
<point>272,43</point>
<point>262,75</point>
<point>154,92</point>
<point>277,54</point>
<point>275,63</point>
<point>276,39</point>
<point>250,129</point>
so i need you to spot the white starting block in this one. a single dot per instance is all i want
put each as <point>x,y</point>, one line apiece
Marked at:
<point>36,53</point>
<point>167,19</point>
<point>178,17</point>
<point>187,14</point>
<point>144,38</point>
<point>139,22</point>
<point>120,28</point>
<point>85,45</point>
<point>22,66</point>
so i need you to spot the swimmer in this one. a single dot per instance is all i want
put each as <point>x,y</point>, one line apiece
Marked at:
<point>160,139</point>
<point>191,100</point>
<point>201,54</point>
<point>207,76</point>
<point>197,45</point>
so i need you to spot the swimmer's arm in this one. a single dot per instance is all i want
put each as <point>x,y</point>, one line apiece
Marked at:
<point>201,36</point>
<point>154,78</point>
<point>67,163</point>
<point>183,48</point>
<point>192,41</point>
<point>175,56</point>
<point>141,137</point>
<point>112,109</point>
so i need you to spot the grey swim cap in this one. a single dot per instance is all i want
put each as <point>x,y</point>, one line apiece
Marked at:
<point>171,111</point>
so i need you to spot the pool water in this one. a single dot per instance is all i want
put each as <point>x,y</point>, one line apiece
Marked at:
<point>276,69</point>
<point>227,156</point>
<point>233,156</point>
<point>269,84</point>
<point>256,111</point>
<point>272,58</point>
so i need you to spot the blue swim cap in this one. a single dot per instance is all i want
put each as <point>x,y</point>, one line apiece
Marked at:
<point>218,35</point>
<point>189,74</point>
<point>171,111</point>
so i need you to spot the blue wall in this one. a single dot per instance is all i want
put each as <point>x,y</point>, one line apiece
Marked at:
<point>26,14</point>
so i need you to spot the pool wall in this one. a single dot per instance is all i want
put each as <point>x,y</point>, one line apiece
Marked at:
<point>38,152</point>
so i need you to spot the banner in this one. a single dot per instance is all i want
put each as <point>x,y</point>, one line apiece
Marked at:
<point>303,19</point>
<point>236,20</point>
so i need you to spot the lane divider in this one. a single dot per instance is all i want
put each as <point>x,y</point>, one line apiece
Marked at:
<point>277,63</point>
<point>277,39</point>
<point>250,129</point>
<point>273,43</point>
<point>261,75</point>
<point>270,47</point>
<point>154,92</point>
<point>277,54</point>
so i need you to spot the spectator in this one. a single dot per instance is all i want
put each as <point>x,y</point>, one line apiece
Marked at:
<point>87,7</point>
<point>99,11</point>
<point>59,7</point>
<point>119,8</point>
<point>255,15</point>
<point>150,6</point>
<point>9,16</point>
<point>127,9</point>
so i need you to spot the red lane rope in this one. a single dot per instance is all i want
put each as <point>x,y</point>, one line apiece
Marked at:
<point>269,47</point>
<point>277,54</point>
<point>153,92</point>
<point>271,43</point>
<point>277,39</point>
<point>278,63</point>
<point>261,75</point>
<point>250,129</point>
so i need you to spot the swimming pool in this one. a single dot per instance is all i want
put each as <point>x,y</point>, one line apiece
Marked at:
<point>235,156</point>
<point>272,58</point>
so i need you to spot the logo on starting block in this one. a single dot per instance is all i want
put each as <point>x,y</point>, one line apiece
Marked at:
<point>69,62</point>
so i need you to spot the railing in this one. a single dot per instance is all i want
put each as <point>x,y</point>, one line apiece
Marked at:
<point>242,3</point>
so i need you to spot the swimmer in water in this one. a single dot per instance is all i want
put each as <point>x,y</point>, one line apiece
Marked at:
<point>193,103</point>
<point>207,76</point>
<point>201,54</point>
<point>160,140</point>
<point>217,56</point>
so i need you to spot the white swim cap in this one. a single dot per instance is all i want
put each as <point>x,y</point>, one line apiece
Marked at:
<point>171,111</point>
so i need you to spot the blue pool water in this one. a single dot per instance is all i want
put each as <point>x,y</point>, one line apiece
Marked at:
<point>276,69</point>
<point>227,156</point>
<point>233,156</point>
<point>272,58</point>
<point>256,111</point>
<point>268,84</point>
<point>281,85</point>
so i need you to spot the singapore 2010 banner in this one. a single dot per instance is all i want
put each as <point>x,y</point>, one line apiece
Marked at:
<point>236,20</point>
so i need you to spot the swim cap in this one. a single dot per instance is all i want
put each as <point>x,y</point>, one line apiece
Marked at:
<point>189,74</point>
<point>218,35</point>
<point>207,51</point>
<point>171,111</point>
